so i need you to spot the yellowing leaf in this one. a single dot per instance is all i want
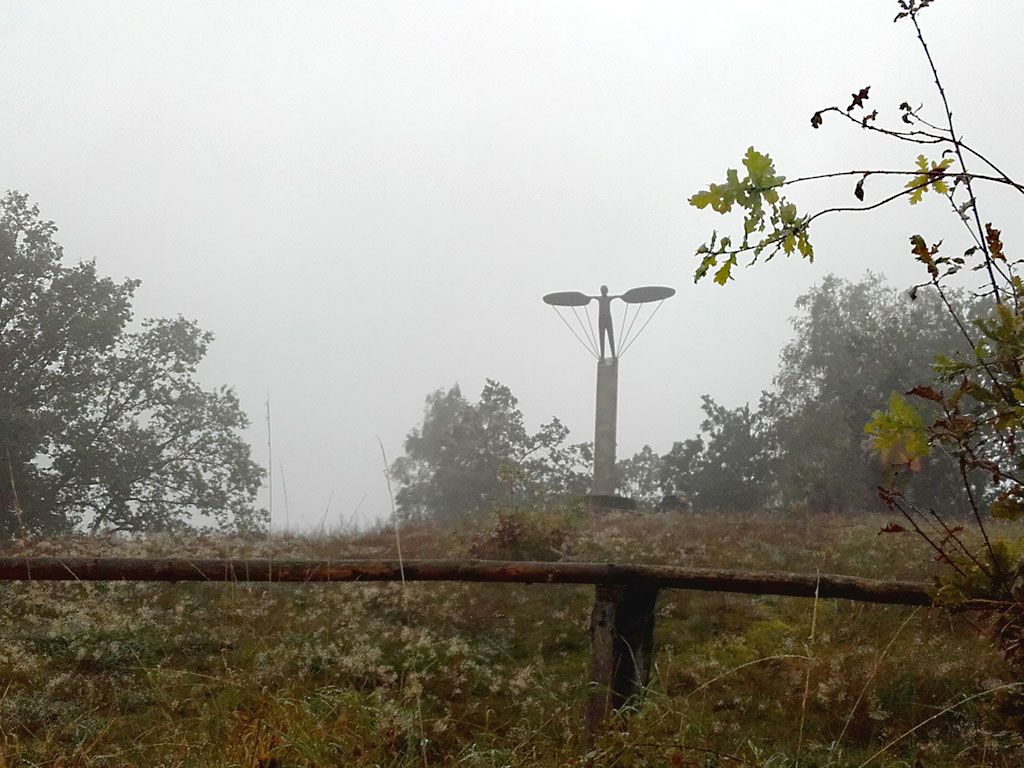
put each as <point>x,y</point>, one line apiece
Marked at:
<point>702,199</point>
<point>804,245</point>
<point>721,196</point>
<point>898,434</point>
<point>931,175</point>
<point>706,263</point>
<point>724,272</point>
<point>761,170</point>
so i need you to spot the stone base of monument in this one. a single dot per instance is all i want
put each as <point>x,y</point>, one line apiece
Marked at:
<point>608,503</point>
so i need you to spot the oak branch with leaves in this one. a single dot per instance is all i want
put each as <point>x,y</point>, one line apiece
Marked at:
<point>973,409</point>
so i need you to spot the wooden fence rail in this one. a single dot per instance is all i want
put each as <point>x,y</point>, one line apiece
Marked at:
<point>621,623</point>
<point>650,576</point>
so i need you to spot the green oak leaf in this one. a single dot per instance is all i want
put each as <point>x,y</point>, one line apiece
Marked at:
<point>761,171</point>
<point>898,435</point>
<point>724,272</point>
<point>930,176</point>
<point>769,223</point>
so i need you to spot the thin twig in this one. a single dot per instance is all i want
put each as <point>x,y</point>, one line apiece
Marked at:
<point>807,678</point>
<point>863,690</point>
<point>959,152</point>
<point>394,521</point>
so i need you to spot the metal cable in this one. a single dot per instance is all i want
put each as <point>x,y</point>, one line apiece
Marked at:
<point>625,342</point>
<point>622,326</point>
<point>586,346</point>
<point>590,326</point>
<point>642,327</point>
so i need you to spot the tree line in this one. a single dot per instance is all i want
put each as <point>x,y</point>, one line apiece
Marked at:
<point>103,425</point>
<point>802,443</point>
<point>102,422</point>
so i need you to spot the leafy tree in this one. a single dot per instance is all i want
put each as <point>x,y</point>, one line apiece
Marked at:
<point>854,344</point>
<point>467,457</point>
<point>726,467</point>
<point>640,477</point>
<point>680,468</point>
<point>100,424</point>
<point>972,407</point>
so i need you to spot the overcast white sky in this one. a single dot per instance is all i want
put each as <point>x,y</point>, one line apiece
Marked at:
<point>365,201</point>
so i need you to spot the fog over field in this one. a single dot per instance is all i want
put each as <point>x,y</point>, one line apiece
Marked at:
<point>365,201</point>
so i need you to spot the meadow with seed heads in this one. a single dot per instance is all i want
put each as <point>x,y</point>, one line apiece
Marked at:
<point>118,674</point>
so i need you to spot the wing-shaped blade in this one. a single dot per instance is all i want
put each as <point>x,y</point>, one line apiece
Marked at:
<point>567,299</point>
<point>647,293</point>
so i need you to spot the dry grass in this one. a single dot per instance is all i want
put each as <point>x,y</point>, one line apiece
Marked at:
<point>494,675</point>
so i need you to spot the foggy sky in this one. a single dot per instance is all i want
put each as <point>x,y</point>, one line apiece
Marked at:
<point>365,201</point>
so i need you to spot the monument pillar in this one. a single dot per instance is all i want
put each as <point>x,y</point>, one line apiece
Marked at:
<point>604,426</point>
<point>622,621</point>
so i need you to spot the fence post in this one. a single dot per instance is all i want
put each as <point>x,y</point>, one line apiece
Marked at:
<point>621,650</point>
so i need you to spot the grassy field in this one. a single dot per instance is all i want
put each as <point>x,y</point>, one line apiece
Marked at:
<point>495,675</point>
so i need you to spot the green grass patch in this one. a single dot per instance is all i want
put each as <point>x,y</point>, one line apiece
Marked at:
<point>495,675</point>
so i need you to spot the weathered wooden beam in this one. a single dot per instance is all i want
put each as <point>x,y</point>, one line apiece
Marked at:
<point>621,650</point>
<point>648,576</point>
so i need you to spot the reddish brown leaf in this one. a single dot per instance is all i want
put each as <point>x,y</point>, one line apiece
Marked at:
<point>858,191</point>
<point>859,97</point>
<point>927,393</point>
<point>920,249</point>
<point>892,528</point>
<point>995,245</point>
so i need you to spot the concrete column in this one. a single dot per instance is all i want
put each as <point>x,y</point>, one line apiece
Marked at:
<point>604,426</point>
